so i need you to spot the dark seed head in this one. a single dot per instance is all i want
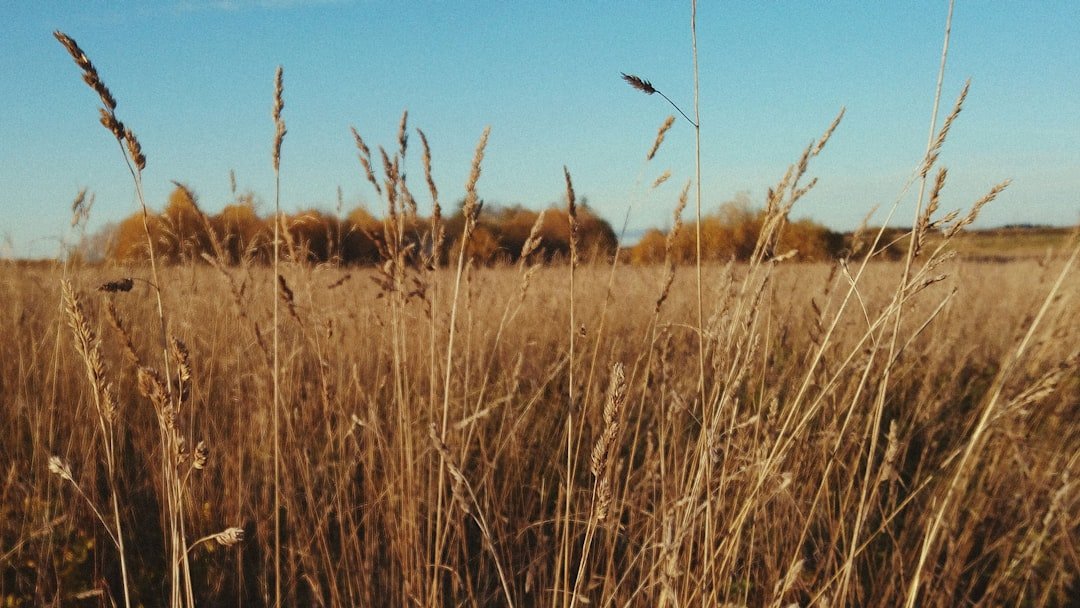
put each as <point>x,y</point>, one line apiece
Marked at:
<point>124,285</point>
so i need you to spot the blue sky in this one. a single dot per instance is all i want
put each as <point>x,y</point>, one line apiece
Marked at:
<point>194,79</point>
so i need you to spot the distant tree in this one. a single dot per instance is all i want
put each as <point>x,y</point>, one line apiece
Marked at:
<point>359,235</point>
<point>813,241</point>
<point>243,234</point>
<point>184,226</point>
<point>129,245</point>
<point>308,236</point>
<point>183,233</point>
<point>650,249</point>
<point>731,232</point>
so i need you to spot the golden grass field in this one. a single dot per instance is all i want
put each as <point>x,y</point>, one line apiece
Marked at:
<point>577,432</point>
<point>794,482</point>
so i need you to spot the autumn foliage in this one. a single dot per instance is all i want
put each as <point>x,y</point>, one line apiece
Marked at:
<point>731,232</point>
<point>183,232</point>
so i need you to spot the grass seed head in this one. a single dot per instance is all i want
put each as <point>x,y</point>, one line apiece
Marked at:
<point>639,83</point>
<point>660,136</point>
<point>59,468</point>
<point>279,123</point>
<point>229,536</point>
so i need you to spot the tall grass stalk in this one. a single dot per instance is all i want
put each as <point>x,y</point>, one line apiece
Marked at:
<point>567,527</point>
<point>134,160</point>
<point>89,348</point>
<point>697,257</point>
<point>279,137</point>
<point>470,211</point>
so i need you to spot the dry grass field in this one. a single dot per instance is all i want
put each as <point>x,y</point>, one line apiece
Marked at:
<point>822,459</point>
<point>433,432</point>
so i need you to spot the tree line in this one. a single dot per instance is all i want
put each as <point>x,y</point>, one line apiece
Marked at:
<point>183,232</point>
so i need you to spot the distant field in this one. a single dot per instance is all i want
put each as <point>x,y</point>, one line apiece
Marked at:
<point>1032,243</point>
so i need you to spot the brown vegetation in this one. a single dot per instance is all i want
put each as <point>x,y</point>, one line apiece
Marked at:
<point>349,501</point>
<point>183,233</point>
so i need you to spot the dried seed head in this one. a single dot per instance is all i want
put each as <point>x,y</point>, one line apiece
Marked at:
<point>925,221</point>
<point>526,279</point>
<point>108,402</point>
<point>781,587</point>
<point>617,396</point>
<point>80,208</point>
<point>571,213</point>
<point>134,149</point>
<point>121,331</point>
<point>676,218</point>
<point>119,285</point>
<point>639,83</point>
<point>660,136</point>
<point>287,296</point>
<point>888,463</point>
<point>279,124</point>
<point>202,455</point>
<point>90,73</point>
<point>108,111</point>
<point>407,198</point>
<point>229,537</point>
<point>113,124</point>
<point>426,158</point>
<point>471,208</point>
<point>602,506</point>
<point>534,239</point>
<point>59,468</point>
<point>458,488</point>
<point>365,160</point>
<point>403,134</point>
<point>168,418</point>
<point>935,149</point>
<point>976,208</point>
<point>604,448</point>
<point>180,354</point>
<point>935,193</point>
<point>86,341</point>
<point>390,167</point>
<point>820,145</point>
<point>152,387</point>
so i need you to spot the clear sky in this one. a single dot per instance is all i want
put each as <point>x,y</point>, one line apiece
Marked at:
<point>194,80</point>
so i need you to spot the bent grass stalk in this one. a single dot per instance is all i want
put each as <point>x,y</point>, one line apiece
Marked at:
<point>131,150</point>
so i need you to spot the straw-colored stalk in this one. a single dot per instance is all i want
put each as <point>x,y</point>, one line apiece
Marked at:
<point>603,453</point>
<point>564,572</point>
<point>134,158</point>
<point>89,348</point>
<point>279,137</point>
<point>470,210</point>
